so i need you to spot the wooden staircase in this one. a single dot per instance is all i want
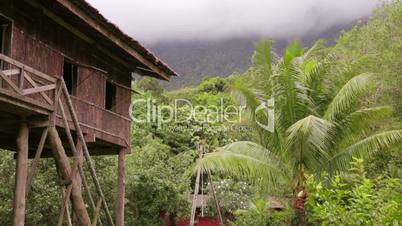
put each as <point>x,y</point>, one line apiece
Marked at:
<point>27,92</point>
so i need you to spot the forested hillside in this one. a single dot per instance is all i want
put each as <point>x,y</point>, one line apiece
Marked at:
<point>376,47</point>
<point>194,60</point>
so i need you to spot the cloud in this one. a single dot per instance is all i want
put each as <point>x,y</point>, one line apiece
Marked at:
<point>165,20</point>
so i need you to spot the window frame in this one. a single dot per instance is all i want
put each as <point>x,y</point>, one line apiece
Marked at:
<point>113,97</point>
<point>74,77</point>
<point>6,25</point>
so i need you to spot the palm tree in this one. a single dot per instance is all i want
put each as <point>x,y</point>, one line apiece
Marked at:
<point>318,127</point>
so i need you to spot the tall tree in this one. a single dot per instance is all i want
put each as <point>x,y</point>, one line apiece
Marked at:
<point>317,127</point>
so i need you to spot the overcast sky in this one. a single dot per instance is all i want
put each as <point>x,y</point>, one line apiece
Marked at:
<point>151,21</point>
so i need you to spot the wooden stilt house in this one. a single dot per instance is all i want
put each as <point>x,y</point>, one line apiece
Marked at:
<point>65,91</point>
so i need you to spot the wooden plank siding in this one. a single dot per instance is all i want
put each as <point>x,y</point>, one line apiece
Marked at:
<point>43,44</point>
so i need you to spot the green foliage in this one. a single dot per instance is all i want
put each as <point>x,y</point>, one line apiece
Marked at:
<point>259,214</point>
<point>306,139</point>
<point>362,201</point>
<point>233,195</point>
<point>156,181</point>
<point>213,85</point>
<point>7,186</point>
<point>44,198</point>
<point>376,46</point>
<point>162,161</point>
<point>316,129</point>
<point>151,85</point>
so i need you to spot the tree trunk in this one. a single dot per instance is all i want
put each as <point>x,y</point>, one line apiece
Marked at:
<point>299,200</point>
<point>65,171</point>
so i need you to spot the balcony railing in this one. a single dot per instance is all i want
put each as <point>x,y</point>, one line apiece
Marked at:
<point>26,81</point>
<point>39,89</point>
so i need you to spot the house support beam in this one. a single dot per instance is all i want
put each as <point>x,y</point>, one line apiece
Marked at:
<point>121,188</point>
<point>66,174</point>
<point>21,175</point>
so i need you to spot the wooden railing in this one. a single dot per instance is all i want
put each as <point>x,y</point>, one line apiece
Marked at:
<point>26,81</point>
<point>107,122</point>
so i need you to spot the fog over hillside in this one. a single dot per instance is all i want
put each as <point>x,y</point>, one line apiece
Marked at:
<point>153,21</point>
<point>210,37</point>
<point>194,60</point>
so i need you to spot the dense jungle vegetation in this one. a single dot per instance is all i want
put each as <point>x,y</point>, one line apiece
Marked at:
<point>334,158</point>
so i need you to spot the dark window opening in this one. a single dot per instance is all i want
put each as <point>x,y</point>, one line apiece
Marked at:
<point>1,46</point>
<point>2,39</point>
<point>70,77</point>
<point>5,38</point>
<point>110,96</point>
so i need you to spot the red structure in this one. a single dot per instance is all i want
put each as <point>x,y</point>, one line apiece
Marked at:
<point>200,221</point>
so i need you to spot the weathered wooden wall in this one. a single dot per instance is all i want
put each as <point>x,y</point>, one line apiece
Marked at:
<point>43,44</point>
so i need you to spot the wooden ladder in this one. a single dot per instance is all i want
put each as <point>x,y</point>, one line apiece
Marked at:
<point>197,189</point>
<point>76,166</point>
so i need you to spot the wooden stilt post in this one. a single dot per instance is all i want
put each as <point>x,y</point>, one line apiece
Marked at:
<point>21,175</point>
<point>217,206</point>
<point>97,212</point>
<point>36,160</point>
<point>63,195</point>
<point>121,189</point>
<point>66,173</point>
<point>197,187</point>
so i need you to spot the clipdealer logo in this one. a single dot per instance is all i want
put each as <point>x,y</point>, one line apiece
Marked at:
<point>221,113</point>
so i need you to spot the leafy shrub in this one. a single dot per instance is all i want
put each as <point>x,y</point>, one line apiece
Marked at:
<point>233,195</point>
<point>362,202</point>
<point>259,214</point>
<point>256,215</point>
<point>213,85</point>
<point>156,182</point>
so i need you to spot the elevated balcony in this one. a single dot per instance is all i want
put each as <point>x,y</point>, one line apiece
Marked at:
<point>28,94</point>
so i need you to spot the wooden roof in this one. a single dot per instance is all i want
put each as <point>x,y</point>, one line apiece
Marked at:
<point>91,16</point>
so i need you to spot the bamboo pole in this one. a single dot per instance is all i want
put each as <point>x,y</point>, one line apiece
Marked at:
<point>217,206</point>
<point>63,195</point>
<point>86,153</point>
<point>76,163</point>
<point>78,153</point>
<point>196,188</point>
<point>68,174</point>
<point>88,191</point>
<point>97,212</point>
<point>36,160</point>
<point>121,189</point>
<point>21,175</point>
<point>64,206</point>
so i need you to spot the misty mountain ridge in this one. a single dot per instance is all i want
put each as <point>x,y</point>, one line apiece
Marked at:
<point>196,59</point>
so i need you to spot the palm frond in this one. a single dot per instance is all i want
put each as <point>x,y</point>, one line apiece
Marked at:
<point>348,95</point>
<point>365,147</point>
<point>292,51</point>
<point>318,45</point>
<point>315,72</point>
<point>246,95</point>
<point>245,160</point>
<point>262,57</point>
<point>356,124</point>
<point>309,140</point>
<point>292,101</point>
